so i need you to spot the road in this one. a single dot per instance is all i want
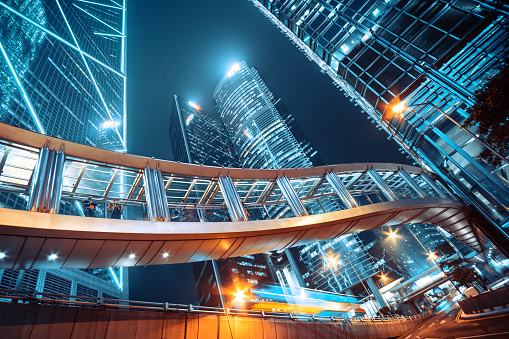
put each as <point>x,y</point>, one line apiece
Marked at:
<point>444,325</point>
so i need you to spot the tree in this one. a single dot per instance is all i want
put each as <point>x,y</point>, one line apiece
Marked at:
<point>490,113</point>
<point>456,270</point>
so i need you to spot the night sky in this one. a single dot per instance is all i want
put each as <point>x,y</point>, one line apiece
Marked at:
<point>185,48</point>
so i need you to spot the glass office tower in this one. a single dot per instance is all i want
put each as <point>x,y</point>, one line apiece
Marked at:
<point>62,73</point>
<point>62,69</point>
<point>258,130</point>
<point>198,138</point>
<point>430,56</point>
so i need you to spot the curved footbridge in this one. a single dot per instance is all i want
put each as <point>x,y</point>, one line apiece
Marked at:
<point>183,213</point>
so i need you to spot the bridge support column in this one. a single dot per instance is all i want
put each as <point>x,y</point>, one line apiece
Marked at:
<point>346,198</point>
<point>411,182</point>
<point>157,203</point>
<point>270,265</point>
<point>291,197</point>
<point>382,185</point>
<point>298,210</point>
<point>433,185</point>
<point>218,281</point>
<point>232,199</point>
<point>376,292</point>
<point>295,267</point>
<point>47,179</point>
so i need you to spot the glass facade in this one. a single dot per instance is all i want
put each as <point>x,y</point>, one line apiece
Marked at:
<point>235,274</point>
<point>430,55</point>
<point>62,69</point>
<point>198,138</point>
<point>337,264</point>
<point>62,73</point>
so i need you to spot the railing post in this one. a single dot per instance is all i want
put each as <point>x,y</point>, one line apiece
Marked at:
<point>340,189</point>
<point>232,199</point>
<point>291,197</point>
<point>382,185</point>
<point>47,179</point>
<point>157,203</point>
<point>411,182</point>
<point>433,185</point>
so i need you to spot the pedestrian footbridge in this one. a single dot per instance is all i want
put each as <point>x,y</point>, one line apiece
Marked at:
<point>149,212</point>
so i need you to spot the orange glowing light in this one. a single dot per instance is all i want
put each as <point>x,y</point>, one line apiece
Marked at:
<point>399,108</point>
<point>239,297</point>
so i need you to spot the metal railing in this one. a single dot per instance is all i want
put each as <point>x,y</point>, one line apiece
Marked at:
<point>486,301</point>
<point>8,295</point>
<point>154,189</point>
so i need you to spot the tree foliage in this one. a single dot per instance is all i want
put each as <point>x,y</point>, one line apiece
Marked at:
<point>490,114</point>
<point>457,271</point>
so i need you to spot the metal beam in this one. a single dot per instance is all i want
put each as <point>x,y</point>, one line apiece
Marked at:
<point>291,197</point>
<point>341,191</point>
<point>382,185</point>
<point>113,177</point>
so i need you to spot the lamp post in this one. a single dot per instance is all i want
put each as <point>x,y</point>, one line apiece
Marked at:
<point>401,107</point>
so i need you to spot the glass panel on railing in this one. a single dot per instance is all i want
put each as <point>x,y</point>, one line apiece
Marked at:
<point>368,197</point>
<point>279,211</point>
<point>18,167</point>
<point>256,213</point>
<point>183,213</point>
<point>214,214</point>
<point>134,211</point>
<point>122,183</point>
<point>313,207</point>
<point>330,203</point>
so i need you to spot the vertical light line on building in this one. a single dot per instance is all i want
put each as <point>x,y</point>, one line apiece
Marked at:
<point>90,73</point>
<point>119,284</point>
<point>98,4</point>
<point>60,39</point>
<point>123,70</point>
<point>96,18</point>
<point>22,90</point>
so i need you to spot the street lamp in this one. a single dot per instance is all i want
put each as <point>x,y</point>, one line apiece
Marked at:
<point>400,108</point>
<point>392,235</point>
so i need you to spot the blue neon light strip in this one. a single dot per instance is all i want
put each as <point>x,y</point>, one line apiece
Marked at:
<point>96,18</point>
<point>60,39</point>
<point>119,283</point>
<point>22,90</point>
<point>95,3</point>
<point>90,72</point>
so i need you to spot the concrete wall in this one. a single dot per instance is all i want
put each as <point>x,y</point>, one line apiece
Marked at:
<point>22,321</point>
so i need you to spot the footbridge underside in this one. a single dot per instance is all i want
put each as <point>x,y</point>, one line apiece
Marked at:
<point>184,213</point>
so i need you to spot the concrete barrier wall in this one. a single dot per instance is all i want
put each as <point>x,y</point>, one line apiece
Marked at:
<point>24,321</point>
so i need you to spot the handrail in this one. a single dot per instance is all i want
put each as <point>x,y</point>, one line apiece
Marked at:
<point>39,297</point>
<point>36,140</point>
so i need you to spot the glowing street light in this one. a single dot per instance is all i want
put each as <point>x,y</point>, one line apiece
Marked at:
<point>400,108</point>
<point>240,297</point>
<point>392,235</point>
<point>432,256</point>
<point>331,261</point>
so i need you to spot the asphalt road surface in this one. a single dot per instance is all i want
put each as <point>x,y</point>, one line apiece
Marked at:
<point>444,325</point>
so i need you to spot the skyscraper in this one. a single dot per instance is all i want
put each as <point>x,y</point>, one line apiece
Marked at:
<point>62,73</point>
<point>62,69</point>
<point>198,138</point>
<point>430,56</point>
<point>247,107</point>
